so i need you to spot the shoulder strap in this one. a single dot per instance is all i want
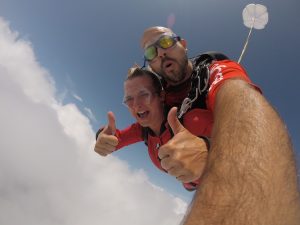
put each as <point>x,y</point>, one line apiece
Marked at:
<point>199,81</point>
<point>145,132</point>
<point>201,71</point>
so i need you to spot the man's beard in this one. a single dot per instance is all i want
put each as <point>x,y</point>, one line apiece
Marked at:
<point>177,76</point>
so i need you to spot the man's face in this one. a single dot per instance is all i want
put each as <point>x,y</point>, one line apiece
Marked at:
<point>170,63</point>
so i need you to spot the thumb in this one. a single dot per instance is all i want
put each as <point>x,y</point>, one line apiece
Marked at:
<point>173,121</point>
<point>111,127</point>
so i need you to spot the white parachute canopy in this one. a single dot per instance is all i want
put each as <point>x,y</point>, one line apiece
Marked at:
<point>254,16</point>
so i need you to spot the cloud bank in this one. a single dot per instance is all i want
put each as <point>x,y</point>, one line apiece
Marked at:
<point>49,173</point>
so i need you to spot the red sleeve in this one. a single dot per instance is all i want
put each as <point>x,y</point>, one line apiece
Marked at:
<point>129,135</point>
<point>199,121</point>
<point>221,71</point>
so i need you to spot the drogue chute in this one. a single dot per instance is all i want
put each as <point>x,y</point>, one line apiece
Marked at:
<point>254,16</point>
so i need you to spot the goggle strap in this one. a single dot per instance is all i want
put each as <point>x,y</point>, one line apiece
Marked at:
<point>144,65</point>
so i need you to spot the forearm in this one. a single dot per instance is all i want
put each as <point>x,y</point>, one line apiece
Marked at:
<point>250,176</point>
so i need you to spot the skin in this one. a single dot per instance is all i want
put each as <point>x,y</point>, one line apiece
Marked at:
<point>172,63</point>
<point>154,109</point>
<point>251,176</point>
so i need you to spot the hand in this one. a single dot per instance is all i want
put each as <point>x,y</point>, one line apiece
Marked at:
<point>106,142</point>
<point>185,155</point>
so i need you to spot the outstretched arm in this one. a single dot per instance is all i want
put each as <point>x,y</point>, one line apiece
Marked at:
<point>250,176</point>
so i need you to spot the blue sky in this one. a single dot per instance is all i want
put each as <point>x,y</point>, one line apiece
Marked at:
<point>87,47</point>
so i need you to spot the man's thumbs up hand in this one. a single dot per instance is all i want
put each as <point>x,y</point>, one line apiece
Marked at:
<point>185,155</point>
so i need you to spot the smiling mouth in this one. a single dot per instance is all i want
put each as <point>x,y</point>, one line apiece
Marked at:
<point>142,115</point>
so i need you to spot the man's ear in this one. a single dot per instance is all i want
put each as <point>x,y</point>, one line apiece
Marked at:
<point>183,43</point>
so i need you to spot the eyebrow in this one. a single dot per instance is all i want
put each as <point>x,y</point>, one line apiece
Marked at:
<point>139,92</point>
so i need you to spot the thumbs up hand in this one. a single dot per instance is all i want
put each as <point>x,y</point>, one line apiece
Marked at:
<point>185,155</point>
<point>110,129</point>
<point>106,142</point>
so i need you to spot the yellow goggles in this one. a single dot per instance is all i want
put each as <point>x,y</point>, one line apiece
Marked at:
<point>164,42</point>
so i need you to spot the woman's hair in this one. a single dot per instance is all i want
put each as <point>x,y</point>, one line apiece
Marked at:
<point>137,71</point>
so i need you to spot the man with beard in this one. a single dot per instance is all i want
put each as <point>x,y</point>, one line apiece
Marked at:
<point>250,176</point>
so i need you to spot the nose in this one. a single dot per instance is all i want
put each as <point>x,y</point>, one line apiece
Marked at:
<point>161,53</point>
<point>136,103</point>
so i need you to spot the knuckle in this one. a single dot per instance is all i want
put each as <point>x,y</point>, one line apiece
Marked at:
<point>174,172</point>
<point>161,153</point>
<point>97,149</point>
<point>160,156</point>
<point>103,154</point>
<point>100,152</point>
<point>163,164</point>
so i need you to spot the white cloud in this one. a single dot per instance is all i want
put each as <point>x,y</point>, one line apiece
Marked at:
<point>49,173</point>
<point>90,114</point>
<point>77,97</point>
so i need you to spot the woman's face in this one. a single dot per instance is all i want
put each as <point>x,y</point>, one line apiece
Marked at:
<point>144,104</point>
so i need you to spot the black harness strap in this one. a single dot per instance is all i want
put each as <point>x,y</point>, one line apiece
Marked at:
<point>199,81</point>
